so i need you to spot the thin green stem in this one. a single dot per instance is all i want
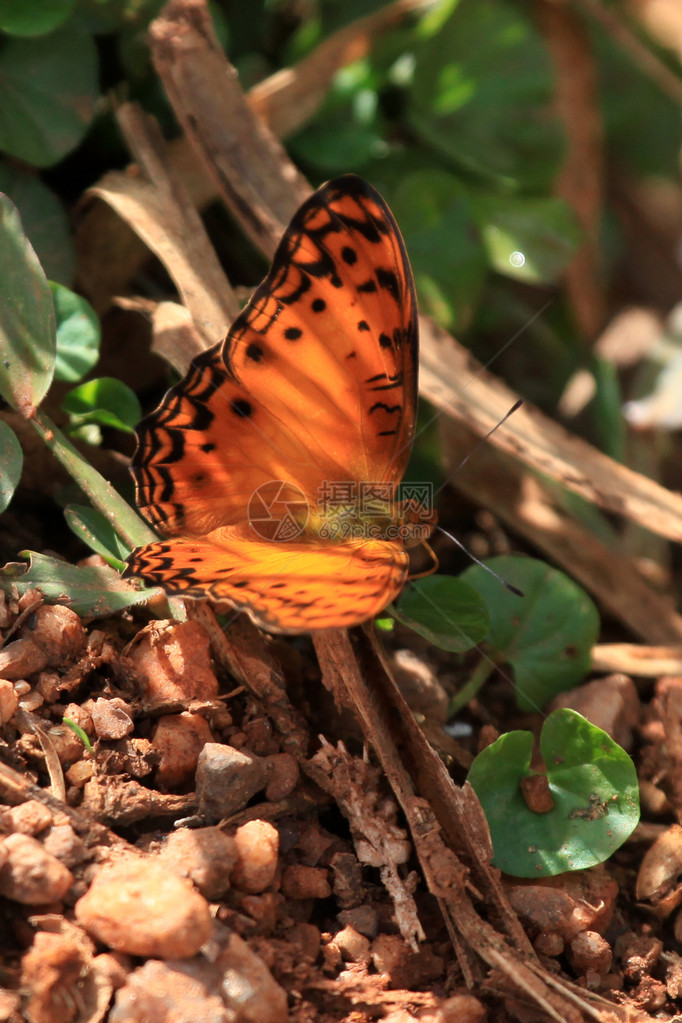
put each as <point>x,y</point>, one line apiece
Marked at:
<point>480,674</point>
<point>127,523</point>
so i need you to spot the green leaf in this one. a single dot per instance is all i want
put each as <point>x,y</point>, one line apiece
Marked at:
<point>610,418</point>
<point>105,401</point>
<point>90,591</point>
<point>48,90</point>
<point>482,93</point>
<point>98,533</point>
<point>11,464</point>
<point>33,17</point>
<point>448,258</point>
<point>546,635</point>
<point>44,221</point>
<point>80,732</point>
<point>347,131</point>
<point>445,611</point>
<point>27,322</point>
<point>593,784</point>
<point>78,334</point>
<point>528,238</point>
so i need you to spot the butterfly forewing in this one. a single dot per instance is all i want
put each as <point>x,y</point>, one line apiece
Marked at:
<point>331,336</point>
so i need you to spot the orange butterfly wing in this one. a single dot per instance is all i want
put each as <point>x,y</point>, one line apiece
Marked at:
<point>293,587</point>
<point>315,382</point>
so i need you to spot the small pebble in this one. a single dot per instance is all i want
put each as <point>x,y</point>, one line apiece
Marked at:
<point>589,951</point>
<point>179,739</point>
<point>68,746</point>
<point>307,938</point>
<point>29,818</point>
<point>404,968</point>
<point>582,900</point>
<point>63,842</point>
<point>354,947</point>
<point>82,717</point>
<point>80,773</point>
<point>257,851</point>
<point>113,966</point>
<point>301,882</point>
<point>31,875</point>
<point>51,968</point>
<point>462,1008</point>
<point>363,918</point>
<point>639,955</point>
<point>20,659</point>
<point>173,662</point>
<point>248,987</point>
<point>9,701</point>
<point>226,779</point>
<point>262,909</point>
<point>159,992</point>
<point>48,685</point>
<point>140,907</point>
<point>284,776</point>
<point>548,943</point>
<point>112,719</point>
<point>59,633</point>
<point>31,702</point>
<point>205,855</point>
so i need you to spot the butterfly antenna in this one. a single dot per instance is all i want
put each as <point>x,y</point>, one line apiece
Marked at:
<point>479,444</point>
<point>507,585</point>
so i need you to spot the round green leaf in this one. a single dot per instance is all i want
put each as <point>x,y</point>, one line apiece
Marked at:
<point>546,635</point>
<point>11,463</point>
<point>593,784</point>
<point>27,322</point>
<point>444,610</point>
<point>78,334</point>
<point>33,17</point>
<point>48,90</point>
<point>105,401</point>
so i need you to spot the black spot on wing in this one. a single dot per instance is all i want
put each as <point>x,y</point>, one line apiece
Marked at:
<point>389,282</point>
<point>241,407</point>
<point>318,305</point>
<point>363,325</point>
<point>292,333</point>
<point>254,352</point>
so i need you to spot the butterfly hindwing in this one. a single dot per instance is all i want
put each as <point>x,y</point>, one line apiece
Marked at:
<point>285,588</point>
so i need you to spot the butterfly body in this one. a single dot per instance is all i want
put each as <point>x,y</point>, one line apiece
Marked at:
<point>273,467</point>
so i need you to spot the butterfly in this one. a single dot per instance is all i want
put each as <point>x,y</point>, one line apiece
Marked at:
<point>272,468</point>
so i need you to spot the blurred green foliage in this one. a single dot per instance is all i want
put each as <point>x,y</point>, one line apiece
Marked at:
<point>450,115</point>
